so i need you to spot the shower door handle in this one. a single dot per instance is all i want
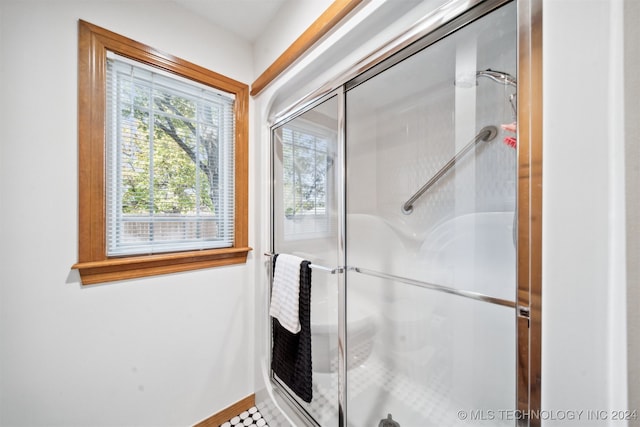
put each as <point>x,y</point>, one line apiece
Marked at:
<point>336,270</point>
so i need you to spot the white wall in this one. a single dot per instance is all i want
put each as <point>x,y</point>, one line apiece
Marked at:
<point>164,351</point>
<point>583,308</point>
<point>632,169</point>
<point>293,18</point>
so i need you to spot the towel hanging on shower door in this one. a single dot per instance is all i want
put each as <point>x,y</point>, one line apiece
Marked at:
<point>286,291</point>
<point>291,353</point>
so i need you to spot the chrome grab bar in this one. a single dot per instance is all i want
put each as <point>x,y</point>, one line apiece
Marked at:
<point>487,133</point>
<point>336,270</point>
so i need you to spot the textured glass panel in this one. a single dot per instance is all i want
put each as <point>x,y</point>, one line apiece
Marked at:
<point>427,358</point>
<point>305,149</point>
<point>305,224</point>
<point>404,125</point>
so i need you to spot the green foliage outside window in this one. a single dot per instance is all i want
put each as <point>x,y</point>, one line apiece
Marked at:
<point>169,165</point>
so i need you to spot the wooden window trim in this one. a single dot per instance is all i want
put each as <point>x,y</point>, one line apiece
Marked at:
<point>93,263</point>
<point>321,26</point>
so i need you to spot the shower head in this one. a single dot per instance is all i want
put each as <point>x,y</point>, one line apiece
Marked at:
<point>467,80</point>
<point>498,77</point>
<point>502,78</point>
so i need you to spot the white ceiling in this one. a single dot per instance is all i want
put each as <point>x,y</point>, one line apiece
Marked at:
<point>245,18</point>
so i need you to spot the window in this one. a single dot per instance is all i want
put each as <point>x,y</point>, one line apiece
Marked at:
<point>162,162</point>
<point>169,162</point>
<point>305,180</point>
<point>305,149</point>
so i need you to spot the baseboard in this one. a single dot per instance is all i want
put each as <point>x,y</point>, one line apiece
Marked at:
<point>226,414</point>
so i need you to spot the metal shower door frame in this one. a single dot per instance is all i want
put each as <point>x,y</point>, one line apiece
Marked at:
<point>440,23</point>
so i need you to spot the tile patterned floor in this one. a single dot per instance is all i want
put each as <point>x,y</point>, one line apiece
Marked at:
<point>248,418</point>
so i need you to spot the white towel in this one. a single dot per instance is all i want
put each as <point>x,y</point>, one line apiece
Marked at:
<point>285,293</point>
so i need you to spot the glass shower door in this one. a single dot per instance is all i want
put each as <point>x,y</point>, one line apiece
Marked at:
<point>431,196</point>
<point>305,224</point>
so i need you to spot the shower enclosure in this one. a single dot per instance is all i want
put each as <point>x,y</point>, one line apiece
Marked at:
<point>400,187</point>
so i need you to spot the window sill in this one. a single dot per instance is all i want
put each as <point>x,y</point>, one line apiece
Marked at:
<point>113,269</point>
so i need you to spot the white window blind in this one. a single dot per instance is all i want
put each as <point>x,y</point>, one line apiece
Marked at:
<point>170,162</point>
